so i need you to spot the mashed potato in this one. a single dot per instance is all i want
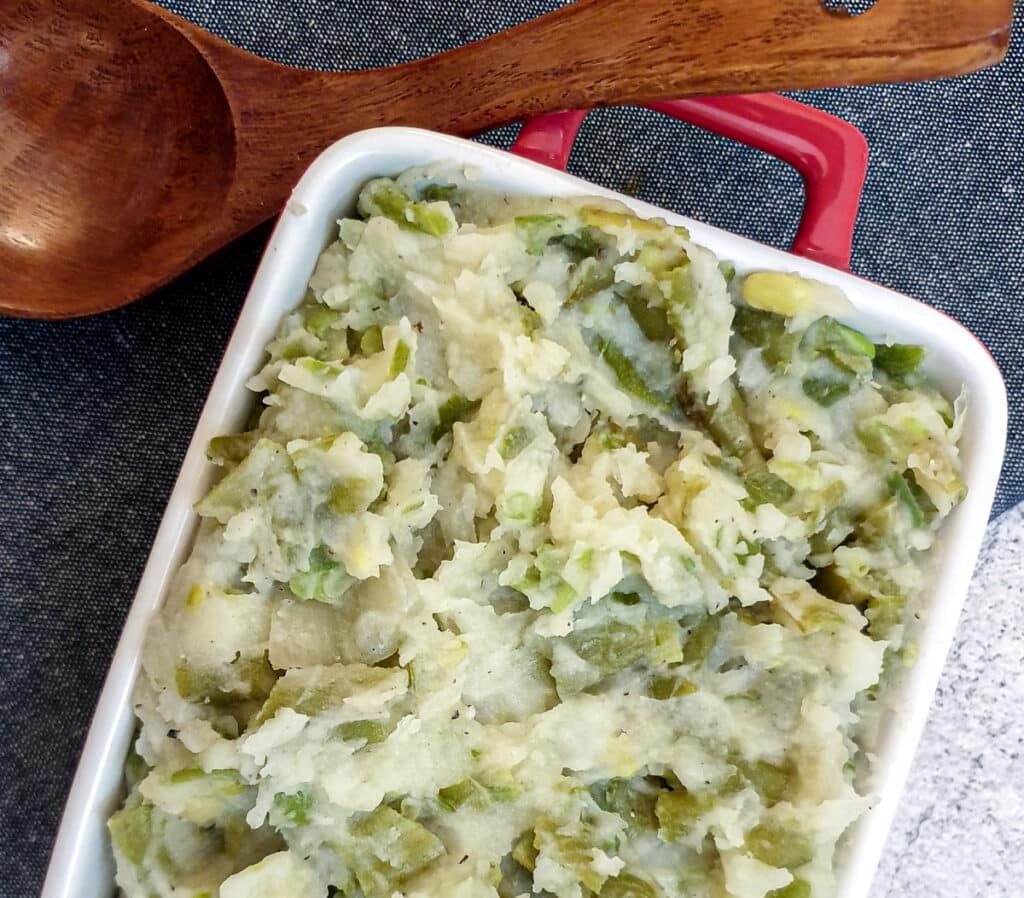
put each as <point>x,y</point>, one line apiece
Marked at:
<point>559,560</point>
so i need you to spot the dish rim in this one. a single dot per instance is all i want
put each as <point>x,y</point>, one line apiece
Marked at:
<point>81,857</point>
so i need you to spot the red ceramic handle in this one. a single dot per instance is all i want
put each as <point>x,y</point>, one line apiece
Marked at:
<point>831,156</point>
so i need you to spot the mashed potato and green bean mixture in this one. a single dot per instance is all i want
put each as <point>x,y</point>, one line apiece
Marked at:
<point>560,560</point>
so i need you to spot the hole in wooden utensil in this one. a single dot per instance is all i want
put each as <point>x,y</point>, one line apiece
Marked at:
<point>848,7</point>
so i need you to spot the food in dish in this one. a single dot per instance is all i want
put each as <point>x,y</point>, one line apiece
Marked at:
<point>559,558</point>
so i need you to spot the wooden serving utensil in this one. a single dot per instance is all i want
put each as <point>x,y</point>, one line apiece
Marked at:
<point>133,144</point>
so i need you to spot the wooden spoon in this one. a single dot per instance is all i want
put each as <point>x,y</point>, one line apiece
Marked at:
<point>133,144</point>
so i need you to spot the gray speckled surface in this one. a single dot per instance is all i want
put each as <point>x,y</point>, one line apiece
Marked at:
<point>959,832</point>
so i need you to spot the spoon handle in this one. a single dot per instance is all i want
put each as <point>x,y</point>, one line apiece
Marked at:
<point>589,53</point>
<point>607,52</point>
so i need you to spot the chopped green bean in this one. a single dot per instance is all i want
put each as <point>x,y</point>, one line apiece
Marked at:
<point>454,409</point>
<point>579,245</point>
<point>632,799</point>
<point>651,319</point>
<point>371,732</point>
<point>131,830</point>
<point>292,809</point>
<point>385,197</point>
<point>465,792</point>
<point>678,812</point>
<point>626,885</point>
<point>538,230</point>
<point>626,374</point>
<point>778,846</point>
<point>612,646</point>
<point>901,489</point>
<point>826,391</point>
<point>436,192</point>
<point>701,640</point>
<point>767,331</point>
<point>400,359</point>
<point>591,276</point>
<point>371,341</point>
<point>515,440</point>
<point>798,888</point>
<point>766,488</point>
<point>726,421</point>
<point>899,359</point>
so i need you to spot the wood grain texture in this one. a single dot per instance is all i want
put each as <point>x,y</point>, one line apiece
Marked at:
<point>133,144</point>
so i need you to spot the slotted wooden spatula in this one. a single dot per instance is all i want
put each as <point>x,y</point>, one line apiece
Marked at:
<point>133,144</point>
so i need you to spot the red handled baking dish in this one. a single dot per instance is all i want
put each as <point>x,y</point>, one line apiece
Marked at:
<point>829,154</point>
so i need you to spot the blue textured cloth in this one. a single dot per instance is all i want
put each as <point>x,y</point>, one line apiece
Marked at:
<point>96,414</point>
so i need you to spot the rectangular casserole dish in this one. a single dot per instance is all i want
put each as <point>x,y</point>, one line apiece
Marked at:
<point>81,865</point>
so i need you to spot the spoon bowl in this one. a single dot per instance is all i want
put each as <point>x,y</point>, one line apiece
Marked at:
<point>160,148</point>
<point>133,144</point>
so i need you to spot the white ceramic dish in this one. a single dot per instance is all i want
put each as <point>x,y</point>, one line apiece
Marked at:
<point>81,865</point>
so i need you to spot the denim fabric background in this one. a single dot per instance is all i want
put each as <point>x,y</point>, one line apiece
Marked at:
<point>96,414</point>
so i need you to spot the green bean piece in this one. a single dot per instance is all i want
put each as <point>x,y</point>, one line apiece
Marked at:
<point>537,231</point>
<point>326,580</point>
<point>135,766</point>
<point>371,732</point>
<point>900,487</point>
<point>682,295</point>
<point>313,690</point>
<point>524,851</point>
<point>777,846</point>
<point>726,421</point>
<point>579,245</point>
<point>842,587</point>
<point>317,318</point>
<point>230,450</point>
<point>515,878</point>
<point>522,507</point>
<point>728,271</point>
<point>798,888</point>
<point>454,409</point>
<point>384,197</point>
<point>826,390</point>
<point>766,488</point>
<point>882,439</point>
<point>466,792</point>
<point>574,853</point>
<point>626,374</point>
<point>844,346</point>
<point>400,359</point>
<point>770,781</point>
<point>664,688</point>
<point>701,640</point>
<point>678,812</point>
<point>437,192</point>
<point>885,611</point>
<point>292,809</point>
<point>626,885</point>
<point>131,830</point>
<point>515,440</point>
<point>832,532</point>
<point>388,849</point>
<point>244,679</point>
<point>350,495</point>
<point>651,319</point>
<point>767,331</point>
<point>632,799</point>
<point>370,340</point>
<point>591,276</point>
<point>899,359</point>
<point>612,646</point>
